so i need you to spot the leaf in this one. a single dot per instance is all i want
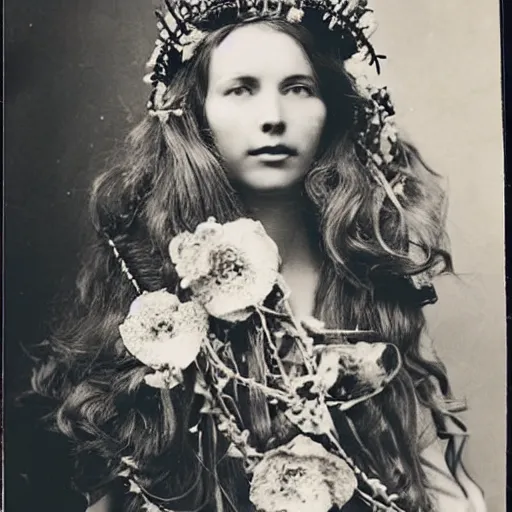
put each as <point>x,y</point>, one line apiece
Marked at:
<point>200,386</point>
<point>234,452</point>
<point>151,507</point>
<point>222,382</point>
<point>134,487</point>
<point>129,461</point>
<point>201,389</point>
<point>217,344</point>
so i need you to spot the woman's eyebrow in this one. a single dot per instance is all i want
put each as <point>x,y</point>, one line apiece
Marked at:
<point>300,78</point>
<point>242,79</point>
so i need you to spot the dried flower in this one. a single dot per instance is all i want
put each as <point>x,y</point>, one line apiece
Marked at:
<point>230,268</point>
<point>310,416</point>
<point>388,140</point>
<point>189,42</point>
<point>301,476</point>
<point>352,373</point>
<point>162,332</point>
<point>164,379</point>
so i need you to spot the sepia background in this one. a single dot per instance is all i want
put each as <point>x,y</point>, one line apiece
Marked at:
<point>73,88</point>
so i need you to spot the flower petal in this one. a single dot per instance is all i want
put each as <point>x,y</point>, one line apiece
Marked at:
<point>162,332</point>
<point>230,268</point>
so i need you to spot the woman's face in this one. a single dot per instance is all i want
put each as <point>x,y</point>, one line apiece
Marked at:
<point>263,107</point>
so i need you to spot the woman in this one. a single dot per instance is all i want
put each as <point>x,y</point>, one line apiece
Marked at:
<point>254,114</point>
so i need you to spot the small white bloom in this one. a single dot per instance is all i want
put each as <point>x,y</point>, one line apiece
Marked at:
<point>295,15</point>
<point>162,332</point>
<point>189,42</point>
<point>367,79</point>
<point>388,137</point>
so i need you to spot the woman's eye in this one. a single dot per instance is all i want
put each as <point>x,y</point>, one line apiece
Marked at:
<point>238,91</point>
<point>300,90</point>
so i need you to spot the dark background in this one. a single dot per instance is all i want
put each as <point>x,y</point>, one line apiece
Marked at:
<point>74,88</point>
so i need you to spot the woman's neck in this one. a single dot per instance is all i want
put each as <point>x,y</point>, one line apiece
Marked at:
<point>283,215</point>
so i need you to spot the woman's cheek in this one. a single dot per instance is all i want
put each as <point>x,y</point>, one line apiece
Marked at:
<point>319,115</point>
<point>312,120</point>
<point>222,116</point>
<point>312,126</point>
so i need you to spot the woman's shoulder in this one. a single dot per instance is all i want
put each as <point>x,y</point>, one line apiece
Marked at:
<point>440,448</point>
<point>107,498</point>
<point>103,503</point>
<point>426,427</point>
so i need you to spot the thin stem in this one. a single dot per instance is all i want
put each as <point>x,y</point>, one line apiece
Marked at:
<point>308,362</point>
<point>363,476</point>
<point>233,432</point>
<point>377,504</point>
<point>272,312</point>
<point>273,348</point>
<point>215,360</point>
<point>343,332</point>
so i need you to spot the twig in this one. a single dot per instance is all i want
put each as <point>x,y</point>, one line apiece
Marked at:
<point>308,362</point>
<point>269,311</point>
<point>273,348</point>
<point>217,362</point>
<point>369,482</point>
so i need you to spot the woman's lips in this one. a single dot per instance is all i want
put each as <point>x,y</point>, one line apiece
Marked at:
<point>271,154</point>
<point>269,157</point>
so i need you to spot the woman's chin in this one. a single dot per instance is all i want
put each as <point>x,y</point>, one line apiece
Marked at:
<point>268,179</point>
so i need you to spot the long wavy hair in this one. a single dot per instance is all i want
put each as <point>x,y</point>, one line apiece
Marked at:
<point>167,180</point>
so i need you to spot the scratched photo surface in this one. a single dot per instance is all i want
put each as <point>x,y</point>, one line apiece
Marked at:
<point>73,90</point>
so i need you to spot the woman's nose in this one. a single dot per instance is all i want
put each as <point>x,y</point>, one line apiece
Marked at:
<point>273,128</point>
<point>271,115</point>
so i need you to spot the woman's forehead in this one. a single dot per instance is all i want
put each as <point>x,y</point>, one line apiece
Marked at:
<point>259,51</point>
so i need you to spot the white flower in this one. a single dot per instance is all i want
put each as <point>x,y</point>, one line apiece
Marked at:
<point>388,137</point>
<point>366,78</point>
<point>189,42</point>
<point>295,15</point>
<point>301,476</point>
<point>230,268</point>
<point>162,332</point>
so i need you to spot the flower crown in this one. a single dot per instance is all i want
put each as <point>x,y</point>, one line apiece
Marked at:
<point>230,273</point>
<point>183,25</point>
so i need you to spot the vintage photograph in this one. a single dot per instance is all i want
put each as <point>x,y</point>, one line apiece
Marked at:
<point>254,256</point>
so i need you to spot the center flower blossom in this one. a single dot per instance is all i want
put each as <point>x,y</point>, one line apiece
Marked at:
<point>301,476</point>
<point>230,268</point>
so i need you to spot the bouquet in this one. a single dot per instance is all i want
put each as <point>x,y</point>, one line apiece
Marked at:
<point>230,272</point>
